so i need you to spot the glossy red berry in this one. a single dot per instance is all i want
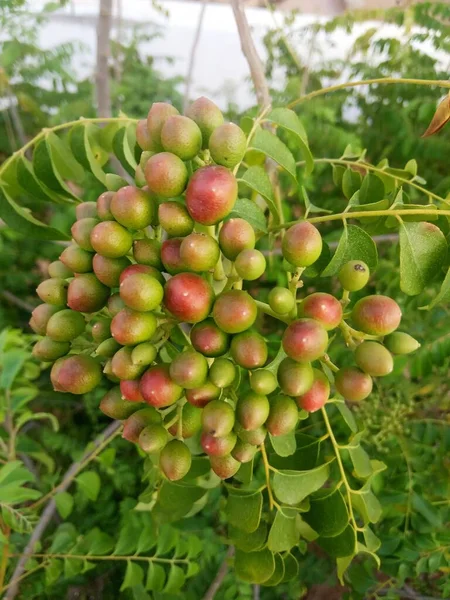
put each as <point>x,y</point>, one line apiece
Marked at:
<point>218,446</point>
<point>211,194</point>
<point>324,308</point>
<point>249,350</point>
<point>130,390</point>
<point>316,397</point>
<point>77,374</point>
<point>202,395</point>
<point>376,315</point>
<point>305,340</point>
<point>353,384</point>
<point>294,378</point>
<point>166,175</point>
<point>86,293</point>
<point>188,297</point>
<point>234,311</point>
<point>171,257</point>
<point>235,236</point>
<point>208,339</point>
<point>157,387</point>
<point>302,244</point>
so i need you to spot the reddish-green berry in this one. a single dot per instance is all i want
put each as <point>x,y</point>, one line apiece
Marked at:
<point>207,116</point>
<point>48,349</point>
<point>234,311</point>
<point>65,325</point>
<point>104,206</point>
<point>107,348</point>
<point>166,175</point>
<point>235,236</point>
<point>174,219</point>
<point>218,418</point>
<point>228,145</point>
<point>122,365</point>
<point>249,350</point>
<point>302,244</point>
<point>175,460</point>
<point>143,137</point>
<point>294,378</point>
<point>218,446</point>
<point>263,382</point>
<point>208,339</point>
<point>41,316</point>
<point>199,252</point>
<point>147,269</point>
<point>283,415</point>
<point>224,466</point>
<point>181,136</point>
<point>133,208</point>
<point>86,293</point>
<point>53,291</point>
<point>81,232</point>
<point>188,297</point>
<point>59,270</point>
<point>324,308</point>
<point>171,257</point>
<point>157,116</point>
<point>130,327</point>
<point>316,397</point>
<point>141,292</point>
<point>147,252</point>
<point>254,437</point>
<point>189,369</point>
<point>374,359</point>
<point>76,259</point>
<point>281,300</point>
<point>130,390</point>
<point>153,438</point>
<point>111,239</point>
<point>137,422</point>
<point>222,372</point>
<point>305,340</point>
<point>243,452</point>
<point>76,374</point>
<point>401,343</point>
<point>376,315</point>
<point>85,210</point>
<point>114,406</point>
<point>115,304</point>
<point>354,275</point>
<point>191,421</point>
<point>250,264</point>
<point>108,270</point>
<point>101,330</point>
<point>353,384</point>
<point>202,395</point>
<point>211,194</point>
<point>157,387</point>
<point>252,410</point>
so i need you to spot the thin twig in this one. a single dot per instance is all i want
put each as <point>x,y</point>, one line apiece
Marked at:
<point>220,576</point>
<point>386,238</point>
<point>17,301</point>
<point>103,54</point>
<point>193,53</point>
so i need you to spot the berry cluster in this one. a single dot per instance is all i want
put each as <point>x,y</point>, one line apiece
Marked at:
<point>149,295</point>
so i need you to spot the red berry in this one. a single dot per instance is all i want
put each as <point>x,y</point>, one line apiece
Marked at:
<point>305,340</point>
<point>108,270</point>
<point>218,446</point>
<point>158,389</point>
<point>324,308</point>
<point>317,395</point>
<point>148,270</point>
<point>77,374</point>
<point>188,297</point>
<point>377,315</point>
<point>235,236</point>
<point>87,294</point>
<point>171,257</point>
<point>166,175</point>
<point>234,311</point>
<point>208,339</point>
<point>353,384</point>
<point>130,327</point>
<point>200,396</point>
<point>157,116</point>
<point>302,244</point>
<point>130,390</point>
<point>211,194</point>
<point>249,350</point>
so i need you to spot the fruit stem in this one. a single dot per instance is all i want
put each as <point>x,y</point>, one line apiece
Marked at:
<point>180,420</point>
<point>293,285</point>
<point>326,360</point>
<point>267,472</point>
<point>345,298</point>
<point>265,308</point>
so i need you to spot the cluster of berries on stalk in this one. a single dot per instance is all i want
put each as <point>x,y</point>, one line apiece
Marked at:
<point>149,296</point>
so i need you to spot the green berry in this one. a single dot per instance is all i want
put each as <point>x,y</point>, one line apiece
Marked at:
<point>59,270</point>
<point>235,236</point>
<point>228,145</point>
<point>130,327</point>
<point>374,359</point>
<point>110,239</point>
<point>147,252</point>
<point>401,343</point>
<point>141,292</point>
<point>175,460</point>
<point>77,374</point>
<point>224,466</point>
<point>133,208</point>
<point>252,410</point>
<point>113,405</point>
<point>191,421</point>
<point>123,367</point>
<point>218,418</point>
<point>107,348</point>
<point>302,244</point>
<point>263,382</point>
<point>208,339</point>
<point>48,349</point>
<point>108,270</point>
<point>76,259</point>
<point>65,325</point>
<point>202,395</point>
<point>207,116</point>
<point>174,219</point>
<point>166,175</point>
<point>354,275</point>
<point>199,252</point>
<point>222,372</point>
<point>86,210</point>
<point>157,116</point>
<point>53,291</point>
<point>353,384</point>
<point>153,438</point>
<point>138,421</point>
<point>115,304</point>
<point>243,452</point>
<point>104,206</point>
<point>295,378</point>
<point>81,232</point>
<point>41,316</point>
<point>250,264</point>
<point>181,136</point>
<point>283,415</point>
<point>249,350</point>
<point>234,311</point>
<point>281,300</point>
<point>144,354</point>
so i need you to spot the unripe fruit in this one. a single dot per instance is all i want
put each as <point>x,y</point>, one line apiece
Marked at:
<point>235,236</point>
<point>144,354</point>
<point>133,207</point>
<point>115,304</point>
<point>76,259</point>
<point>107,370</point>
<point>199,252</point>
<point>208,339</point>
<point>41,316</point>
<point>302,244</point>
<point>174,219</point>
<point>48,349</point>
<point>324,308</point>
<point>53,291</point>
<point>107,348</point>
<point>104,206</point>
<point>81,232</point>
<point>249,350</point>
<point>130,327</point>
<point>189,369</point>
<point>377,315</point>
<point>252,410</point>
<point>85,210</point>
<point>59,270</point>
<point>222,372</point>
<point>129,389</point>
<point>207,116</point>
<point>147,252</point>
<point>254,438</point>
<point>281,300</point>
<point>114,406</point>
<point>188,297</point>
<point>175,460</point>
<point>110,239</point>
<point>211,194</point>
<point>224,466</point>
<point>228,145</point>
<point>171,257</point>
<point>250,264</point>
<point>218,418</point>
<point>153,438</point>
<point>234,311</point>
<point>86,293</point>
<point>191,421</point>
<point>401,343</point>
<point>157,116</point>
<point>141,292</point>
<point>166,175</point>
<point>143,136</point>
<point>283,415</point>
<point>354,275</point>
<point>123,367</point>
<point>138,421</point>
<point>353,384</point>
<point>181,136</point>
<point>294,378</point>
<point>65,325</point>
<point>218,446</point>
<point>305,340</point>
<point>316,397</point>
<point>243,452</point>
<point>108,270</point>
<point>202,395</point>
<point>158,389</point>
<point>374,359</point>
<point>263,382</point>
<point>76,374</point>
<point>133,269</point>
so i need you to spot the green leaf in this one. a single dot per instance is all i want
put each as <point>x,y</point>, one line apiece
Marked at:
<point>284,445</point>
<point>248,541</point>
<point>288,120</point>
<point>44,165</point>
<point>257,179</point>
<point>128,538</point>
<point>360,460</point>
<point>351,182</point>
<point>89,483</point>
<point>292,487</point>
<point>156,577</point>
<point>340,545</point>
<point>167,539</point>
<point>371,540</point>
<point>423,250</point>
<point>291,568</point>
<point>53,570</point>
<point>254,567</point>
<point>355,244</point>
<point>175,580</point>
<point>114,182</point>
<point>72,567</point>
<point>443,295</point>
<point>367,504</point>
<point>427,510</point>
<point>244,509</point>
<point>148,538</point>
<point>63,159</point>
<point>134,575</point>
<point>249,211</point>
<point>278,574</point>
<point>64,504</point>
<point>343,564</point>
<point>12,363</point>
<point>328,514</point>
<point>35,416</point>
<point>283,534</point>
<point>273,147</point>
<point>309,206</point>
<point>372,189</point>
<point>124,143</point>
<point>31,185</point>
<point>178,499</point>
<point>82,150</point>
<point>347,415</point>
<point>98,543</point>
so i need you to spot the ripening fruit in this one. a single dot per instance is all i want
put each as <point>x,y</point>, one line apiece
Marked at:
<point>354,275</point>
<point>86,293</point>
<point>59,270</point>
<point>207,116</point>
<point>324,308</point>
<point>202,395</point>
<point>133,269</point>
<point>77,374</point>
<point>281,300</point>
<point>317,395</point>
<point>211,194</point>
<point>263,382</point>
<point>53,291</point>
<point>143,136</point>
<point>222,372</point>
<point>157,116</point>
<point>188,297</point>
<point>81,232</point>
<point>302,244</point>
<point>353,384</point>
<point>250,264</point>
<point>174,219</point>
<point>101,330</point>
<point>181,136</point>
<point>115,304</point>
<point>41,316</point>
<point>129,389</point>
<point>76,259</point>
<point>218,446</point>
<point>123,367</point>
<point>218,418</point>
<point>144,354</point>
<point>147,252</point>
<point>158,389</point>
<point>175,460</point>
<point>191,421</point>
<point>208,339</point>
<point>130,327</point>
<point>137,422</point>
<point>228,145</point>
<point>189,369</point>
<point>235,236</point>
<point>295,378</point>
<point>107,348</point>
<point>65,325</point>
<point>110,239</point>
<point>224,466</point>
<point>283,415</point>
<point>374,359</point>
<point>48,349</point>
<point>255,437</point>
<point>85,210</point>
<point>166,175</point>
<point>377,315</point>
<point>108,270</point>
<point>234,311</point>
<point>199,252</point>
<point>252,410</point>
<point>133,207</point>
<point>249,350</point>
<point>171,257</point>
<point>401,343</point>
<point>153,438</point>
<point>243,452</point>
<point>104,206</point>
<point>114,406</point>
<point>141,292</point>
<point>305,340</point>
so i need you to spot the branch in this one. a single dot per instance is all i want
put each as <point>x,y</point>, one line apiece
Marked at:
<point>194,47</point>
<point>218,579</point>
<point>17,301</point>
<point>103,54</point>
